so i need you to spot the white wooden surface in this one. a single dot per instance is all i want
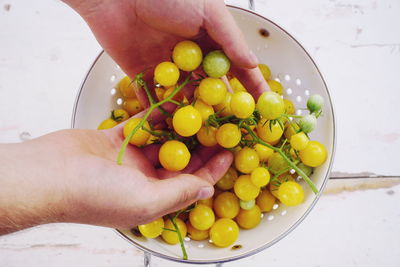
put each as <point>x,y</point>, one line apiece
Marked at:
<point>46,50</point>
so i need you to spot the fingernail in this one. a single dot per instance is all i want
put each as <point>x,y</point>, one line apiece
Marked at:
<point>205,192</point>
<point>253,58</point>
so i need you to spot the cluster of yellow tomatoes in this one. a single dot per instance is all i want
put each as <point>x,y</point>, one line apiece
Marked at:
<point>225,114</point>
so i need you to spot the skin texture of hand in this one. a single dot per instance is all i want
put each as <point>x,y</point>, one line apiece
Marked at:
<point>139,34</point>
<point>72,176</point>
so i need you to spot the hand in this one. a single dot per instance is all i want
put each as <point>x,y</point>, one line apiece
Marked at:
<point>139,34</point>
<point>72,176</point>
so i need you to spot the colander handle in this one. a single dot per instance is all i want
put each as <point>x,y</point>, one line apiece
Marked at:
<point>251,5</point>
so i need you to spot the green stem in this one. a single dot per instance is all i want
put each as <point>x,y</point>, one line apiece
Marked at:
<point>178,232</point>
<point>152,107</point>
<point>293,116</point>
<point>291,164</point>
<point>175,102</point>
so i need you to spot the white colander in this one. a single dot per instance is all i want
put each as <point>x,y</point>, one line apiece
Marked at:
<point>298,73</point>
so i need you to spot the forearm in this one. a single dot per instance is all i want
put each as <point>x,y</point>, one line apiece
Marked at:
<point>28,195</point>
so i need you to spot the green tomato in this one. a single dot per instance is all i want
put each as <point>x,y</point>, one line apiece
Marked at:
<point>315,103</point>
<point>247,205</point>
<point>308,123</point>
<point>216,64</point>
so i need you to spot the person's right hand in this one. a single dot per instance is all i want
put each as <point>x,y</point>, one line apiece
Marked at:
<point>139,34</point>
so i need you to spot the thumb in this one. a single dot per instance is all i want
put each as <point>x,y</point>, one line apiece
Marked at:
<point>221,26</point>
<point>182,190</point>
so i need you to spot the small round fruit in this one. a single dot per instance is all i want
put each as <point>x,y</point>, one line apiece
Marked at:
<point>107,124</point>
<point>274,185</point>
<point>269,131</point>
<point>208,202</point>
<point>207,136</point>
<point>248,219</point>
<point>224,232</point>
<point>204,109</point>
<point>275,86</point>
<point>119,115</point>
<point>314,154</point>
<point>277,163</point>
<point>126,87</point>
<point>245,189</point>
<point>247,205</point>
<point>246,160</point>
<point>291,129</point>
<point>196,234</point>
<point>242,105</point>
<point>212,90</point>
<point>308,123</point>
<point>299,141</point>
<point>265,201</point>
<point>178,97</point>
<point>141,136</point>
<point>216,64</point>
<point>160,93</point>
<point>236,85</point>
<point>306,169</point>
<point>260,176</point>
<point>174,155</point>
<point>132,106</point>
<point>270,105</point>
<point>291,193</point>
<point>263,152</point>
<point>228,135</point>
<point>202,217</point>
<point>166,73</point>
<point>315,103</point>
<point>187,55</point>
<point>187,121</point>
<point>289,106</point>
<point>265,71</point>
<point>172,237</point>
<point>152,229</point>
<point>228,180</point>
<point>226,205</point>
<point>224,108</point>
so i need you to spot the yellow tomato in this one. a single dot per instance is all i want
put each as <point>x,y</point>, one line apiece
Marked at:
<point>242,105</point>
<point>260,176</point>
<point>172,237</point>
<point>275,86</point>
<point>299,141</point>
<point>132,106</point>
<point>224,108</point>
<point>228,135</point>
<point>207,136</point>
<point>314,154</point>
<point>141,136</point>
<point>212,90</point>
<point>126,87</point>
<point>107,124</point>
<point>269,132</point>
<point>202,217</point>
<point>236,85</point>
<point>196,234</point>
<point>119,115</point>
<point>174,155</point>
<point>248,219</point>
<point>263,152</point>
<point>204,109</point>
<point>246,160</point>
<point>291,193</point>
<point>187,55</point>
<point>274,185</point>
<point>224,232</point>
<point>265,71</point>
<point>245,189</point>
<point>289,106</point>
<point>208,202</point>
<point>228,180</point>
<point>265,201</point>
<point>187,121</point>
<point>152,229</point>
<point>166,73</point>
<point>226,205</point>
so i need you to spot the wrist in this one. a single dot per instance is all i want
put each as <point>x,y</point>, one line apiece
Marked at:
<point>29,189</point>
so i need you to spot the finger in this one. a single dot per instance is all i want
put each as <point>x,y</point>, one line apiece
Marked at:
<point>252,80</point>
<point>199,157</point>
<point>151,153</point>
<point>221,26</point>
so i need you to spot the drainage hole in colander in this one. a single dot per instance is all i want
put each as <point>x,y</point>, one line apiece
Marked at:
<point>289,91</point>
<point>270,217</point>
<point>113,91</point>
<point>298,98</point>
<point>307,92</point>
<point>275,206</point>
<point>112,78</point>
<point>119,101</point>
<point>287,77</point>
<point>298,112</point>
<point>298,82</point>
<point>283,213</point>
